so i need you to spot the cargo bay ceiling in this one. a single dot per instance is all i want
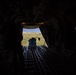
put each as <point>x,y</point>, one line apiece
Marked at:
<point>35,12</point>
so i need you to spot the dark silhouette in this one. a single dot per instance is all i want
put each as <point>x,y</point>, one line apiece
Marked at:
<point>32,43</point>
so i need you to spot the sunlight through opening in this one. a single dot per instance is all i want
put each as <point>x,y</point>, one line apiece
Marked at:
<point>33,33</point>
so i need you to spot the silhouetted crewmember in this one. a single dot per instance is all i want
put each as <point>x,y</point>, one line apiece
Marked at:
<point>32,43</point>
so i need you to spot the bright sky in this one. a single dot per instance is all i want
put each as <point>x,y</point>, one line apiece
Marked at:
<point>31,30</point>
